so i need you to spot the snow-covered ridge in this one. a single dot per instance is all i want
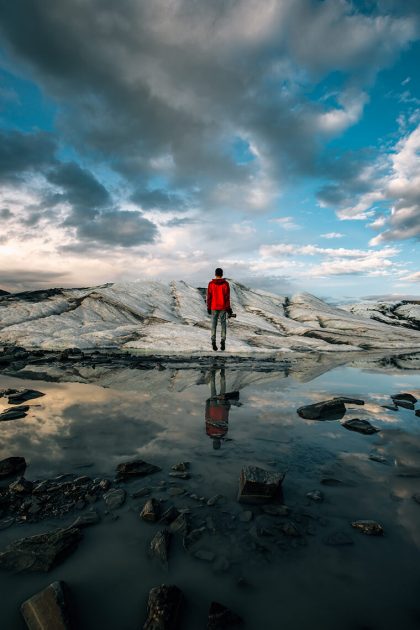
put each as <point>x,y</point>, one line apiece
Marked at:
<point>154,317</point>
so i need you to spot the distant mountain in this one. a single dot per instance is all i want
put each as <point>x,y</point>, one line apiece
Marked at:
<point>4,292</point>
<point>153,317</point>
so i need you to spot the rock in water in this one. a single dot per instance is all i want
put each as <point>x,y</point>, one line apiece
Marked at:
<point>11,466</point>
<point>164,608</point>
<point>159,545</point>
<point>221,617</point>
<point>370,528</point>
<point>257,485</point>
<point>14,413</point>
<point>315,495</point>
<point>49,609</point>
<point>361,426</point>
<point>21,486</point>
<point>180,525</point>
<point>169,515</point>
<point>416,497</point>
<point>417,412</point>
<point>327,410</point>
<point>406,404</point>
<point>150,511</point>
<point>23,396</point>
<point>181,467</point>
<point>115,498</point>
<point>406,397</point>
<point>135,468</point>
<point>40,552</point>
<point>91,517</point>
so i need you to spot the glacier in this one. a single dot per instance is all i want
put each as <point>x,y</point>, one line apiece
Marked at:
<point>150,317</point>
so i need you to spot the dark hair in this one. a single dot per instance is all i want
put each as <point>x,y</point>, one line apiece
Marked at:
<point>218,272</point>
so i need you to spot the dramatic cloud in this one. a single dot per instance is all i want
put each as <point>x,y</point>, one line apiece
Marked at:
<point>181,133</point>
<point>21,153</point>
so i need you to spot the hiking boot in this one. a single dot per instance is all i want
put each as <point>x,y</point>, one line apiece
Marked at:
<point>222,344</point>
<point>213,343</point>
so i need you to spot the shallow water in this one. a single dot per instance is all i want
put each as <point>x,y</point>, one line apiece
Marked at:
<point>159,415</point>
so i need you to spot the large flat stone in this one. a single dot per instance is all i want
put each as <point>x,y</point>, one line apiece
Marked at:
<point>257,485</point>
<point>361,426</point>
<point>49,609</point>
<point>24,395</point>
<point>325,410</point>
<point>135,468</point>
<point>40,552</point>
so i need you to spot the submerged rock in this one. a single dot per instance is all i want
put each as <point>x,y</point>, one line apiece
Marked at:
<point>91,517</point>
<point>339,539</point>
<point>257,485</point>
<point>193,537</point>
<point>417,412</point>
<point>276,510</point>
<point>315,495</point>
<point>40,552</point>
<point>361,426</point>
<point>213,500</point>
<point>370,528</point>
<point>24,395</point>
<point>159,545</point>
<point>141,492</point>
<point>11,466</point>
<point>205,555</point>
<point>49,609</point>
<point>221,617</point>
<point>180,475</point>
<point>289,528</point>
<point>135,468</point>
<point>169,515</point>
<point>376,456</point>
<point>164,608</point>
<point>180,525</point>
<point>115,498</point>
<point>150,511</point>
<point>246,516</point>
<point>416,497</point>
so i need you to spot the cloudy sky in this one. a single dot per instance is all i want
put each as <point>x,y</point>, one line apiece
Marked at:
<point>278,139</point>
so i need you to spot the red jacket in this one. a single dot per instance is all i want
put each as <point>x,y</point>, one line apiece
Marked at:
<point>218,295</point>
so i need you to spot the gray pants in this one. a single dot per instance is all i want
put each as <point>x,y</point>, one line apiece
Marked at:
<point>215,315</point>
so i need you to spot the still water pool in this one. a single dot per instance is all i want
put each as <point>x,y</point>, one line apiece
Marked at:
<point>91,420</point>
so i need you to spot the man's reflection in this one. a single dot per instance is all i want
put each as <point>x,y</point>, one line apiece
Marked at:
<point>218,407</point>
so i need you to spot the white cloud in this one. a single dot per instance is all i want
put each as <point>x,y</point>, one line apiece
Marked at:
<point>412,277</point>
<point>330,235</point>
<point>337,261</point>
<point>402,189</point>
<point>287,223</point>
<point>337,120</point>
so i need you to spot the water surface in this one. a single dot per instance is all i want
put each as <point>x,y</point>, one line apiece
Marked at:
<point>274,582</point>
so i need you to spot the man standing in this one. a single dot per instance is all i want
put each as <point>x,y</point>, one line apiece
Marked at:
<point>218,305</point>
